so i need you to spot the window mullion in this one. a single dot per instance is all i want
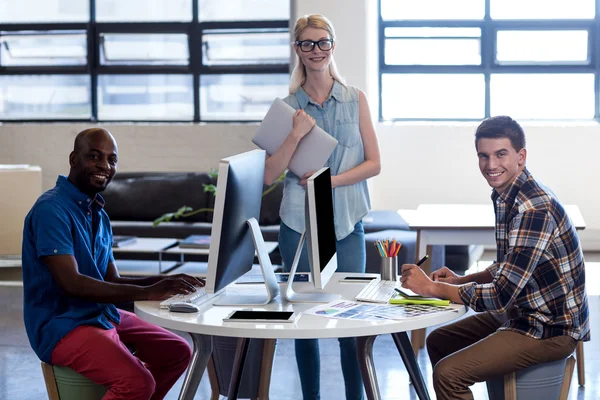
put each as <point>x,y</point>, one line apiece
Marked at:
<point>93,49</point>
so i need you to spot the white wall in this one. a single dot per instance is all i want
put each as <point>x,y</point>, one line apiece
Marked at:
<point>421,163</point>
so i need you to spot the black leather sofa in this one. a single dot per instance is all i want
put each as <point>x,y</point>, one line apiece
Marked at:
<point>135,199</point>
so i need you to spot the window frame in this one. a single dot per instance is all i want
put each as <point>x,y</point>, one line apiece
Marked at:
<point>194,29</point>
<point>489,65</point>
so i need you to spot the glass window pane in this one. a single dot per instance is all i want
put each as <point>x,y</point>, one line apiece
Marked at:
<point>243,10</point>
<point>245,46</point>
<point>542,47</point>
<point>28,48</point>
<point>17,11</point>
<point>542,9</point>
<point>543,96</point>
<point>432,9</point>
<point>143,10</point>
<point>145,97</point>
<point>45,97</point>
<point>240,97</point>
<point>144,49</point>
<point>433,46</point>
<point>433,96</point>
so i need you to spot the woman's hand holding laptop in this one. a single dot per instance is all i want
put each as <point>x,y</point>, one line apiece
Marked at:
<point>302,124</point>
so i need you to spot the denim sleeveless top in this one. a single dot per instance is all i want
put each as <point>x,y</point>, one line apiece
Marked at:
<point>339,117</point>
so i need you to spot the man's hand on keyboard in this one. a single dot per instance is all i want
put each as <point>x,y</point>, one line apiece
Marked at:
<point>190,279</point>
<point>172,285</point>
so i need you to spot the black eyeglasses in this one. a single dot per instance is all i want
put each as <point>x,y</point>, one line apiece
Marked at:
<point>309,45</point>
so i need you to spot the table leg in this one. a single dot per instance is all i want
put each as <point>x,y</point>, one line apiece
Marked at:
<point>200,356</point>
<point>410,361</point>
<point>160,262</point>
<point>238,368</point>
<point>364,350</point>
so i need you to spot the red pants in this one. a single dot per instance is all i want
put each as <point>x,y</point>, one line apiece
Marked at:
<point>100,355</point>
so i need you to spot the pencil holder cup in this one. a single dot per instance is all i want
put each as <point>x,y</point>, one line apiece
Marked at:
<point>389,268</point>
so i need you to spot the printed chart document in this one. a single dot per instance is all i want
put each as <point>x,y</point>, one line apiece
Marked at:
<point>346,309</point>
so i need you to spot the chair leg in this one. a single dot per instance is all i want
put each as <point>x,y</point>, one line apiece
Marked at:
<point>580,364</point>
<point>510,386</point>
<point>212,378</point>
<point>50,381</point>
<point>266,366</point>
<point>566,383</point>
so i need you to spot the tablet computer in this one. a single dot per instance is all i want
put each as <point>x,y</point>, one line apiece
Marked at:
<point>312,152</point>
<point>260,316</point>
<point>407,293</point>
<point>359,279</point>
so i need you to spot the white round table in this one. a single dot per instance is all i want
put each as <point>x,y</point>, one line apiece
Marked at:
<point>209,322</point>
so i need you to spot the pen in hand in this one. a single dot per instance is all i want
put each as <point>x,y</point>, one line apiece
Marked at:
<point>422,260</point>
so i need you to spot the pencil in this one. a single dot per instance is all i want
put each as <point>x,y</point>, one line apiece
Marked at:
<point>398,248</point>
<point>422,260</point>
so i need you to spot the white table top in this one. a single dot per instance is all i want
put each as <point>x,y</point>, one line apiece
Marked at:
<point>209,320</point>
<point>143,267</point>
<point>469,216</point>
<point>146,245</point>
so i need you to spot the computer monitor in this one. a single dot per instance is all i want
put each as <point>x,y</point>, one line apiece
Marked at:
<point>235,232</point>
<point>320,238</point>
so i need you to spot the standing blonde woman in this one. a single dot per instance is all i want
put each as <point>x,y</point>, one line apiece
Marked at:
<point>320,95</point>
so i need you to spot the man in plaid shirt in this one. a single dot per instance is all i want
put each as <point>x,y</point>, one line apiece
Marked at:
<point>532,301</point>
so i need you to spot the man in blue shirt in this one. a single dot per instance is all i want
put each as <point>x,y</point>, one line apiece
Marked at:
<point>71,283</point>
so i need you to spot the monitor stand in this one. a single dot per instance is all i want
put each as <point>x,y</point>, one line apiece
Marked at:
<point>305,297</point>
<point>240,299</point>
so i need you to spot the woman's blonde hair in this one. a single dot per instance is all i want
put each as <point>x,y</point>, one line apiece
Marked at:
<point>317,21</point>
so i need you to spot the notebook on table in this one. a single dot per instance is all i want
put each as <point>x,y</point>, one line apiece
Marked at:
<point>195,242</point>
<point>312,152</point>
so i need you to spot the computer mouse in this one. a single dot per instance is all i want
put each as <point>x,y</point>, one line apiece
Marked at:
<point>183,307</point>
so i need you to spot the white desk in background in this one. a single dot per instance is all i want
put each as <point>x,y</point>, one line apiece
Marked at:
<point>459,224</point>
<point>209,322</point>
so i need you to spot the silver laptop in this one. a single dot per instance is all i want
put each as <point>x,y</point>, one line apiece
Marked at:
<point>312,152</point>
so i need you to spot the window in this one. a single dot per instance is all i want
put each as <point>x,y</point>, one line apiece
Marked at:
<point>470,59</point>
<point>142,60</point>
<point>43,48</point>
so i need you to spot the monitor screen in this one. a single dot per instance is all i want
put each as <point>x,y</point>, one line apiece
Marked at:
<point>320,227</point>
<point>237,199</point>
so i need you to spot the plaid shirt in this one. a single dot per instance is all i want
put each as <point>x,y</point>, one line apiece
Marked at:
<point>539,273</point>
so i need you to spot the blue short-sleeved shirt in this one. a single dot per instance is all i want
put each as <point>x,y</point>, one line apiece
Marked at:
<point>60,223</point>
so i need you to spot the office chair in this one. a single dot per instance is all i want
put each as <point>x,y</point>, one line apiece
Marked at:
<point>547,381</point>
<point>63,383</point>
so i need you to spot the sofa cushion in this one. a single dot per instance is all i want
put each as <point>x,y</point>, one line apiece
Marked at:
<point>147,197</point>
<point>379,220</point>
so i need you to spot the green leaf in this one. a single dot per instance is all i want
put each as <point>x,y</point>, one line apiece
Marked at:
<point>182,211</point>
<point>186,211</point>
<point>163,218</point>
<point>210,188</point>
